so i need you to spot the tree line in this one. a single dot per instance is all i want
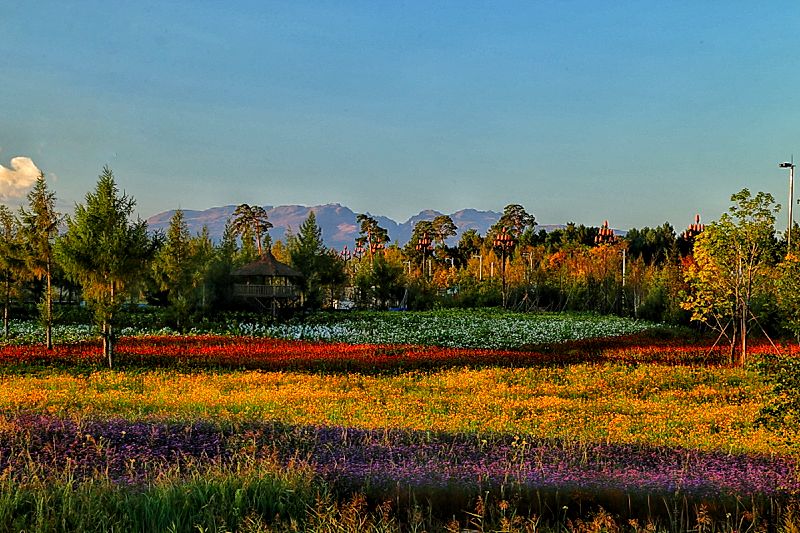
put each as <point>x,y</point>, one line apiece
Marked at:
<point>734,276</point>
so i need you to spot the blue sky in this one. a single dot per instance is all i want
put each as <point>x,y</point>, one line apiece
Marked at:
<point>636,112</point>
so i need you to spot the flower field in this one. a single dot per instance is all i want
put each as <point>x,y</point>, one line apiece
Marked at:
<point>265,353</point>
<point>643,429</point>
<point>490,329</point>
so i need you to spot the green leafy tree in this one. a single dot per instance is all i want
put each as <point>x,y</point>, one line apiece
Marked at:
<point>653,245</point>
<point>381,280</point>
<point>372,236</point>
<point>218,282</point>
<point>422,227</point>
<point>787,293</point>
<point>12,263</point>
<point>469,244</point>
<point>732,263</point>
<point>252,224</point>
<point>516,220</point>
<point>39,230</point>
<point>106,251</point>
<point>443,228</point>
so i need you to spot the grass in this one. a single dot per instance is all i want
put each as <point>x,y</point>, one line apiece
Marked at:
<point>198,498</point>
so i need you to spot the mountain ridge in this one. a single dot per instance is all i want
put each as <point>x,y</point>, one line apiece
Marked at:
<point>337,222</point>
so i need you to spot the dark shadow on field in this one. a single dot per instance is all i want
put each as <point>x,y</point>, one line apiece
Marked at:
<point>445,473</point>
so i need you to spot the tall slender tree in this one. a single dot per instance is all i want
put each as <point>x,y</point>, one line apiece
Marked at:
<point>11,261</point>
<point>251,222</point>
<point>516,220</point>
<point>309,255</point>
<point>40,229</point>
<point>443,228</point>
<point>371,235</point>
<point>173,267</point>
<point>106,251</point>
<point>202,252</point>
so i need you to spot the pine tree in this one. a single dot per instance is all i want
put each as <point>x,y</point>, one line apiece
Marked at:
<point>11,261</point>
<point>173,267</point>
<point>106,251</point>
<point>372,237</point>
<point>308,254</point>
<point>40,228</point>
<point>251,223</point>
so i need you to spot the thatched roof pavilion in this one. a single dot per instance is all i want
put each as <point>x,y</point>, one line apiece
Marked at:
<point>267,279</point>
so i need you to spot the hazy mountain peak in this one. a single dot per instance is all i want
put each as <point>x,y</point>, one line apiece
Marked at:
<point>338,222</point>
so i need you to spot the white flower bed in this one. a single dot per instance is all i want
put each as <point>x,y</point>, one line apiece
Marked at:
<point>460,329</point>
<point>452,328</point>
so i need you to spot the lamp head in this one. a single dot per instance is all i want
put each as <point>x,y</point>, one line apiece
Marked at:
<point>786,165</point>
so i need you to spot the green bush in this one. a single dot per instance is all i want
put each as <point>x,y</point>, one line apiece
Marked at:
<point>782,409</point>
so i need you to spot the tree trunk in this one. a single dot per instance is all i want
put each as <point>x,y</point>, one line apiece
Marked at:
<point>108,338</point>
<point>743,358</point>
<point>106,344</point>
<point>49,309</point>
<point>6,310</point>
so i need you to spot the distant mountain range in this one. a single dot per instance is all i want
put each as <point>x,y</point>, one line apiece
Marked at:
<point>338,223</point>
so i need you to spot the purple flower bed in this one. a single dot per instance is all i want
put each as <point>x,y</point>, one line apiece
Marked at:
<point>387,461</point>
<point>127,452</point>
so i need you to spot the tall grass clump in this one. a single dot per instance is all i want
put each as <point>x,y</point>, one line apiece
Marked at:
<point>236,496</point>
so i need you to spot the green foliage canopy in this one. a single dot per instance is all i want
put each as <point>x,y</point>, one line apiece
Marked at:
<point>106,252</point>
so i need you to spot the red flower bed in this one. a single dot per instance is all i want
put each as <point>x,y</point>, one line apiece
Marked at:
<point>273,354</point>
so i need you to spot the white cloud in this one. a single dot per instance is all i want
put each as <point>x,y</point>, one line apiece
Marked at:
<point>16,181</point>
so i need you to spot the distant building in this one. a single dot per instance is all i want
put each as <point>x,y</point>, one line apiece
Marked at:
<point>268,284</point>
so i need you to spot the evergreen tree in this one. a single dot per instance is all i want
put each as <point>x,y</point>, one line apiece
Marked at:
<point>309,256</point>
<point>106,251</point>
<point>174,268</point>
<point>251,223</point>
<point>516,220</point>
<point>40,228</point>
<point>443,228</point>
<point>372,237</point>
<point>12,261</point>
<point>218,284</point>
<point>202,252</point>
<point>421,228</point>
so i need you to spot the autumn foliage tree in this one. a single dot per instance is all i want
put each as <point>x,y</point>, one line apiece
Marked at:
<point>732,265</point>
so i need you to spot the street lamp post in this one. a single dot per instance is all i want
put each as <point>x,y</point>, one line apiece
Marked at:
<point>693,230</point>
<point>505,242</point>
<point>605,235</point>
<point>423,245</point>
<point>790,166</point>
<point>375,247</point>
<point>480,266</point>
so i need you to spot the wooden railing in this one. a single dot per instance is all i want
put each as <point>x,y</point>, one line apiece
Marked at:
<point>266,291</point>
